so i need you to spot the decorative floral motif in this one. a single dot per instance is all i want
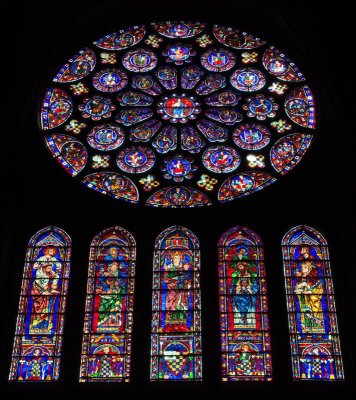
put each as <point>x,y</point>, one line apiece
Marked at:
<point>100,161</point>
<point>149,182</point>
<point>79,88</point>
<point>108,58</point>
<point>256,161</point>
<point>154,41</point>
<point>281,126</point>
<point>75,126</point>
<point>207,182</point>
<point>278,88</point>
<point>204,41</point>
<point>249,57</point>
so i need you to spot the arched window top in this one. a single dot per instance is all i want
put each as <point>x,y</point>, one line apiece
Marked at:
<point>188,104</point>
<point>303,234</point>
<point>177,236</point>
<point>240,234</point>
<point>50,236</point>
<point>114,236</point>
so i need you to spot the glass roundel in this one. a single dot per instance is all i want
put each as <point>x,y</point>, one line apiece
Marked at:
<point>178,114</point>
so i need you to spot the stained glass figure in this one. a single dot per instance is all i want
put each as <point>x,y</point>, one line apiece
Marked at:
<point>178,87</point>
<point>244,326</point>
<point>313,328</point>
<point>39,328</point>
<point>176,329</point>
<point>106,350</point>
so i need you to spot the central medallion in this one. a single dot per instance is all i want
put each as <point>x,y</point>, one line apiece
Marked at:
<point>178,108</point>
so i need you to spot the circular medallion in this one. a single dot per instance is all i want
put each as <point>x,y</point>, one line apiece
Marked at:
<point>178,108</point>
<point>251,136</point>
<point>218,60</point>
<point>135,159</point>
<point>106,137</point>
<point>221,159</point>
<point>178,53</point>
<point>110,80</point>
<point>139,60</point>
<point>179,30</point>
<point>178,167</point>
<point>248,79</point>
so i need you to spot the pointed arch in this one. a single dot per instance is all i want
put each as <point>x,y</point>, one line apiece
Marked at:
<point>244,325</point>
<point>40,319</point>
<point>176,305</point>
<point>313,329</point>
<point>106,349</point>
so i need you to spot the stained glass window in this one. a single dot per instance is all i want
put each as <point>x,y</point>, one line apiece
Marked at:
<point>39,328</point>
<point>176,330</point>
<point>178,114</point>
<point>314,334</point>
<point>244,326</point>
<point>106,350</point>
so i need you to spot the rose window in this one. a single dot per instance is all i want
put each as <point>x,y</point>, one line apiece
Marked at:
<point>178,114</point>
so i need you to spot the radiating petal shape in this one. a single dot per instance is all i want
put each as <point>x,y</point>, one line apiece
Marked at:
<point>146,84</point>
<point>145,131</point>
<point>191,140</point>
<point>212,131</point>
<point>168,77</point>
<point>134,99</point>
<point>132,116</point>
<point>166,140</point>
<point>223,99</point>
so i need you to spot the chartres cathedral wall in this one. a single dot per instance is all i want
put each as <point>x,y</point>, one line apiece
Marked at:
<point>178,199</point>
